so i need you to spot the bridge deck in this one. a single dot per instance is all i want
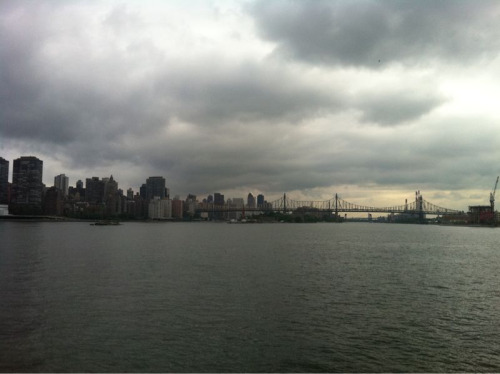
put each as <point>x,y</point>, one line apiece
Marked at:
<point>334,205</point>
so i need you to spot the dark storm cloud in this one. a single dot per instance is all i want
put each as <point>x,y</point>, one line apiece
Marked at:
<point>245,93</point>
<point>375,33</point>
<point>395,108</point>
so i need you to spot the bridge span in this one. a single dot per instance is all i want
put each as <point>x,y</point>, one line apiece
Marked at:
<point>334,205</point>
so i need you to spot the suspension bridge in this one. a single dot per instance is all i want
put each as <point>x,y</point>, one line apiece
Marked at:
<point>335,205</point>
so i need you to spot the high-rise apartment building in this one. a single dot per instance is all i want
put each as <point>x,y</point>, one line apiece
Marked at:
<point>27,186</point>
<point>62,183</point>
<point>4,181</point>
<point>160,208</point>
<point>130,194</point>
<point>155,187</point>
<point>218,199</point>
<point>94,190</point>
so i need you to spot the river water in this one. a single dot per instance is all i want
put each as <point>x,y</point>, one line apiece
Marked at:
<point>211,297</point>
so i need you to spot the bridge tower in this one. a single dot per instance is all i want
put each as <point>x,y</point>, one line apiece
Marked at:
<point>419,200</point>
<point>284,203</point>
<point>336,207</point>
<point>492,202</point>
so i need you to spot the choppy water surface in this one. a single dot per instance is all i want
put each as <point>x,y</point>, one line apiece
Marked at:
<point>198,297</point>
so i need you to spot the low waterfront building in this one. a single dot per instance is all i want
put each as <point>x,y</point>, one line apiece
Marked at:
<point>177,208</point>
<point>53,203</point>
<point>480,214</point>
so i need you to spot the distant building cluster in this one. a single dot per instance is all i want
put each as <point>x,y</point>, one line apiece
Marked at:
<point>100,198</point>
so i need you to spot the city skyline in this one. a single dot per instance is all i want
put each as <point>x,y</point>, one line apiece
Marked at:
<point>368,99</point>
<point>155,189</point>
<point>154,186</point>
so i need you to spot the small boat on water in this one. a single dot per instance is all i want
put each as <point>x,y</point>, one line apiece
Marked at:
<point>106,223</point>
<point>243,220</point>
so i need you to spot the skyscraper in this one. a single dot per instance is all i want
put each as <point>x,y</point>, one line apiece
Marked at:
<point>260,201</point>
<point>250,201</point>
<point>62,183</point>
<point>27,186</point>
<point>4,180</point>
<point>155,187</point>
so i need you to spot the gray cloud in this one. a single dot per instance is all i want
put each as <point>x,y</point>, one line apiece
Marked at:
<point>244,93</point>
<point>375,33</point>
<point>396,108</point>
<point>65,98</point>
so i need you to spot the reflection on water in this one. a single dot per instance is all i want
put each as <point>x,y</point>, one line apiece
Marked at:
<point>270,297</point>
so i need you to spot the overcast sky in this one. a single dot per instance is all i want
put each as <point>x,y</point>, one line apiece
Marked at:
<point>369,99</point>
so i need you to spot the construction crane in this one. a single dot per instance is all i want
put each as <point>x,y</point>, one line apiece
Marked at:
<point>492,198</point>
